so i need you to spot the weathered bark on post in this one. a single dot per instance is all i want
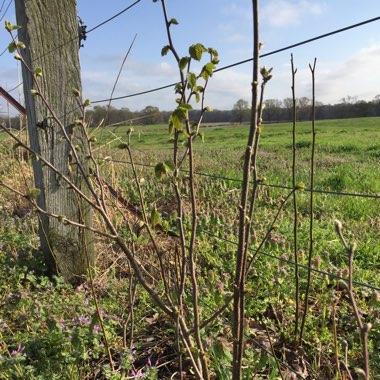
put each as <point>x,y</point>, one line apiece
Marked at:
<point>49,28</point>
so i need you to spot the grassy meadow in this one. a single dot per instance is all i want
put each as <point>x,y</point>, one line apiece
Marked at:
<point>50,330</point>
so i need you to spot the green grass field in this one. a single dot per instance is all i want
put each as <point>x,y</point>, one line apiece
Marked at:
<point>46,317</point>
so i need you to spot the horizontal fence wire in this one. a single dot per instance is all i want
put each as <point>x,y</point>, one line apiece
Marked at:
<point>1,19</point>
<point>292,263</point>
<point>249,59</point>
<point>263,253</point>
<point>304,42</point>
<point>214,176</point>
<point>76,37</point>
<point>6,9</point>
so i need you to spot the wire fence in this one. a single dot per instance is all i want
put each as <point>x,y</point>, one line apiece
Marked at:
<point>261,252</point>
<point>210,175</point>
<point>278,186</point>
<point>226,178</point>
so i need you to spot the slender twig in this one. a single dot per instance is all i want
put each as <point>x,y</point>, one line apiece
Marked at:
<point>239,281</point>
<point>105,120</point>
<point>335,333</point>
<point>295,211</point>
<point>311,233</point>
<point>274,354</point>
<point>364,328</point>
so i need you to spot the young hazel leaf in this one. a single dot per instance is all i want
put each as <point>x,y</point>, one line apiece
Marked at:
<point>20,45</point>
<point>75,92</point>
<point>207,70</point>
<point>196,51</point>
<point>191,80</point>
<point>38,72</point>
<point>183,62</point>
<point>176,118</point>
<point>160,170</point>
<point>12,47</point>
<point>155,217</point>
<point>173,21</point>
<point>170,165</point>
<point>185,106</point>
<point>34,193</point>
<point>8,26</point>
<point>165,50</point>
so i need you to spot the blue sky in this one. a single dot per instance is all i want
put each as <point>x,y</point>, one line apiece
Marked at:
<point>347,64</point>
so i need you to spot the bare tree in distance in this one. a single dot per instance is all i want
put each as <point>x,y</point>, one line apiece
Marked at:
<point>241,110</point>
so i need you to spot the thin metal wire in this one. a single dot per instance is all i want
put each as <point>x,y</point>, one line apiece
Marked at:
<point>6,10</point>
<point>251,59</point>
<point>77,36</point>
<point>214,176</point>
<point>2,6</point>
<point>320,272</point>
<point>222,68</point>
<point>113,17</point>
<point>315,270</point>
<point>2,17</point>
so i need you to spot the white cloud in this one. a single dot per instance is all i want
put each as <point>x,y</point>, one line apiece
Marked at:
<point>136,77</point>
<point>280,13</point>
<point>357,76</point>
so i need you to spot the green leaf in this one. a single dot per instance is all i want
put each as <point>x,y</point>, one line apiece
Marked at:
<point>185,134</point>
<point>191,80</point>
<point>185,106</point>
<point>196,51</point>
<point>213,52</point>
<point>202,136</point>
<point>87,103</point>
<point>165,50</point>
<point>183,62</point>
<point>123,146</point>
<point>173,21</point>
<point>9,27</point>
<point>197,97</point>
<point>160,170</point>
<point>170,164</point>
<point>176,119</point>
<point>75,92</point>
<point>20,45</point>
<point>38,72</point>
<point>171,128</point>
<point>207,70</point>
<point>155,217</point>
<point>164,168</point>
<point>34,193</point>
<point>12,47</point>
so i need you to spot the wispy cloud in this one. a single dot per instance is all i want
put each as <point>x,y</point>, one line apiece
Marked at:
<point>281,13</point>
<point>356,76</point>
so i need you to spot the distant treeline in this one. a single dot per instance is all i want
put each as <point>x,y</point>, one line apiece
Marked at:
<point>275,111</point>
